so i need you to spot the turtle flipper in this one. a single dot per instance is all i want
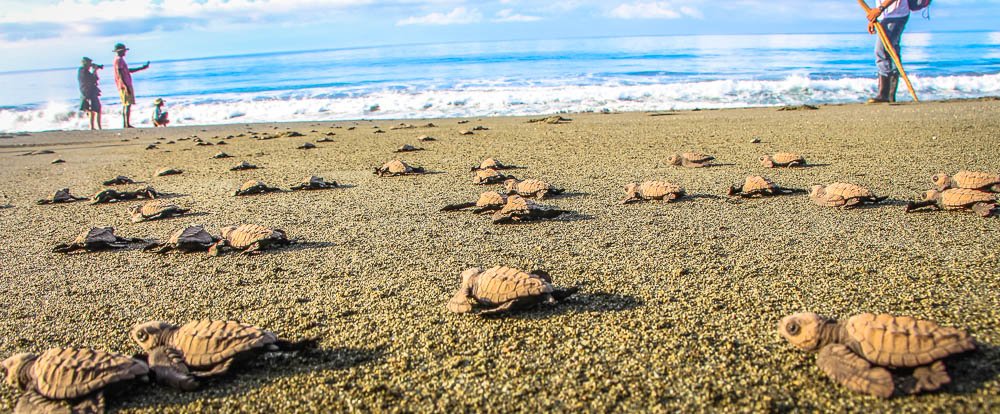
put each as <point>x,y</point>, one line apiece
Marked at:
<point>459,303</point>
<point>65,248</point>
<point>459,206</point>
<point>916,205</point>
<point>925,378</point>
<point>560,294</point>
<point>504,307</point>
<point>167,367</point>
<point>218,369</point>
<point>33,402</point>
<point>216,248</point>
<point>844,366</point>
<point>983,209</point>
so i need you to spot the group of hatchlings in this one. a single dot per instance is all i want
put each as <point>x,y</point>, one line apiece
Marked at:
<point>862,353</point>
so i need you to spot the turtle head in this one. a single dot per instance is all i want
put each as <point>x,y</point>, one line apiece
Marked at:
<point>941,180</point>
<point>816,190</point>
<point>510,183</point>
<point>767,161</point>
<point>226,231</point>
<point>135,209</point>
<point>150,335</point>
<point>631,192</point>
<point>469,276</point>
<point>930,195</point>
<point>803,330</point>
<point>674,159</point>
<point>12,369</point>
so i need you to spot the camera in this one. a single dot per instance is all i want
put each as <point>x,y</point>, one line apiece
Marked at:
<point>98,66</point>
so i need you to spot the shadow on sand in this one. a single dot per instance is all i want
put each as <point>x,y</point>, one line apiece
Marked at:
<point>579,302</point>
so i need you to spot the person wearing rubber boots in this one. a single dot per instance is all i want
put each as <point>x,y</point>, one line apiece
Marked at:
<point>894,14</point>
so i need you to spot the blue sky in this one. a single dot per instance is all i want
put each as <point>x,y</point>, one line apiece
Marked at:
<point>55,33</point>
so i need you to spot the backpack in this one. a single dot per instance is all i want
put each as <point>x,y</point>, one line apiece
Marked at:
<point>917,5</point>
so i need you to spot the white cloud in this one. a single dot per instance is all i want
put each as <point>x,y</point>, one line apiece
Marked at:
<point>508,15</point>
<point>652,10</point>
<point>459,15</point>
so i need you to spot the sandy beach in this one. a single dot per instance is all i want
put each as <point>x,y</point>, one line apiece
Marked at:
<point>678,303</point>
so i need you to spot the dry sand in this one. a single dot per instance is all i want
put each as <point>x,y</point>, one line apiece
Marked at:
<point>678,305</point>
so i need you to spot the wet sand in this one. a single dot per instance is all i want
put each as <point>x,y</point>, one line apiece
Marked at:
<point>678,302</point>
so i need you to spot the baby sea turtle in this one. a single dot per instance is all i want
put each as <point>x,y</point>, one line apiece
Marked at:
<point>489,176</point>
<point>860,351</point>
<point>425,138</point>
<point>61,195</point>
<point>518,209</point>
<point>325,139</point>
<point>249,238</point>
<point>981,202</point>
<point>975,180</point>
<point>155,209</point>
<point>408,148</point>
<point>58,161</point>
<point>94,239</point>
<point>500,289</point>
<point>221,155</point>
<point>757,186</point>
<point>119,180</point>
<point>782,159</point>
<point>111,195</point>
<point>244,166</point>
<point>188,239</point>
<point>68,380</point>
<point>314,183</point>
<point>691,160</point>
<point>465,132</point>
<point>842,195</point>
<point>179,355</point>
<point>493,164</point>
<point>554,119</point>
<point>488,202</point>
<point>397,167</point>
<point>531,188</point>
<point>305,146</point>
<point>163,172</point>
<point>652,190</point>
<point>251,187</point>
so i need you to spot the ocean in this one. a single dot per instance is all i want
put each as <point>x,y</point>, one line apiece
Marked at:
<point>513,78</point>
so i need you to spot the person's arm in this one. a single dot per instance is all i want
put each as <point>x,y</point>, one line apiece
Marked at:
<point>875,12</point>
<point>143,67</point>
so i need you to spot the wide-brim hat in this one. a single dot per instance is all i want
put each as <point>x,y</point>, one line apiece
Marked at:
<point>158,101</point>
<point>87,60</point>
<point>119,47</point>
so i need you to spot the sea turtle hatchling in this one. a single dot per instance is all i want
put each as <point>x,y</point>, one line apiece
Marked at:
<point>119,180</point>
<point>154,210</point>
<point>500,289</point>
<point>782,159</point>
<point>757,186</point>
<point>110,195</point>
<point>243,166</point>
<point>61,195</point>
<point>691,160</point>
<point>975,180</point>
<point>531,188</point>
<point>842,195</point>
<point>313,182</point>
<point>519,209</point>
<point>180,355</point>
<point>163,172</point>
<point>221,155</point>
<point>188,239</point>
<point>408,148</point>
<point>493,164</point>
<point>306,146</point>
<point>489,176</point>
<point>981,202</point>
<point>68,380</point>
<point>652,190</point>
<point>250,238</point>
<point>94,239</point>
<point>488,201</point>
<point>251,187</point>
<point>397,167</point>
<point>860,352</point>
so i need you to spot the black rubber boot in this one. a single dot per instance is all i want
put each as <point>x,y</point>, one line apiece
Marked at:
<point>883,90</point>
<point>893,83</point>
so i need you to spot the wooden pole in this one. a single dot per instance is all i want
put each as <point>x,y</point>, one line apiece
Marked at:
<point>892,51</point>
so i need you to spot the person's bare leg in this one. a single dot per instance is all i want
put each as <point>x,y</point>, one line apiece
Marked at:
<point>91,114</point>
<point>98,113</point>
<point>126,116</point>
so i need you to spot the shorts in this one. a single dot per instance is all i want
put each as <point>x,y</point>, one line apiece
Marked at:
<point>128,96</point>
<point>90,103</point>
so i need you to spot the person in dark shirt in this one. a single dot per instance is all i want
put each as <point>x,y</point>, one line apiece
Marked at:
<point>90,101</point>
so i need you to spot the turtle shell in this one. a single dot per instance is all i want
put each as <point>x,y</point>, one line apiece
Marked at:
<point>192,235</point>
<point>491,199</point>
<point>975,179</point>
<point>156,207</point>
<point>958,198</point>
<point>492,163</point>
<point>487,176</point>
<point>528,187</point>
<point>252,185</point>
<point>61,195</point>
<point>848,191</point>
<point>498,285</point>
<point>697,157</point>
<point>221,155</point>
<point>396,167</point>
<point>758,184</point>
<point>244,235</point>
<point>206,342</point>
<point>67,373</point>
<point>167,171</point>
<point>97,235</point>
<point>658,190</point>
<point>783,159</point>
<point>407,148</point>
<point>839,194</point>
<point>902,341</point>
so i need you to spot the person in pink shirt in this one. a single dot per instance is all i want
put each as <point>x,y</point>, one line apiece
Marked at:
<point>123,79</point>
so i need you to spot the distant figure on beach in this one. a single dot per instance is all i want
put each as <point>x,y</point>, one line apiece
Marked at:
<point>90,94</point>
<point>159,115</point>
<point>895,14</point>
<point>123,78</point>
